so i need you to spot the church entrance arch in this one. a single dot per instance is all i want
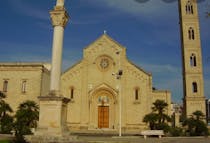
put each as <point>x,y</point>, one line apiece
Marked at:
<point>102,109</point>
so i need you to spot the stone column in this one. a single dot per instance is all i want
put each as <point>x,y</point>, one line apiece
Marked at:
<point>53,107</point>
<point>59,18</point>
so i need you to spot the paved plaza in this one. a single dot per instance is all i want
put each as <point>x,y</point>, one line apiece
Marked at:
<point>140,139</point>
<point>128,139</point>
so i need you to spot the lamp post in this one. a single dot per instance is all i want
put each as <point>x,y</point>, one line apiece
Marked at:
<point>208,108</point>
<point>118,76</point>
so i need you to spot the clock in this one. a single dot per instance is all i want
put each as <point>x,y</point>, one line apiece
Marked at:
<point>104,63</point>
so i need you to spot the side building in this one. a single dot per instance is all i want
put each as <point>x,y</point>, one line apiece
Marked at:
<point>24,81</point>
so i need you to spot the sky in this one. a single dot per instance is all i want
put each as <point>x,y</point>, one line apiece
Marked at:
<point>149,29</point>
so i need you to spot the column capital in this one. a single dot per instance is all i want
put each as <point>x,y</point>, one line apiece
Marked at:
<point>59,16</point>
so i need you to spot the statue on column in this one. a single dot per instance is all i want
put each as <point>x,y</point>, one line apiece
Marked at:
<point>60,3</point>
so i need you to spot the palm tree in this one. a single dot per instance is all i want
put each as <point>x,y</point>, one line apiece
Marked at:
<point>26,118</point>
<point>198,115</point>
<point>152,119</point>
<point>27,114</point>
<point>157,119</point>
<point>160,107</point>
<point>6,119</point>
<point>2,95</point>
<point>195,125</point>
<point>4,108</point>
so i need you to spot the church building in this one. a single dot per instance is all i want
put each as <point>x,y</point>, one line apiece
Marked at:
<point>103,86</point>
<point>104,83</point>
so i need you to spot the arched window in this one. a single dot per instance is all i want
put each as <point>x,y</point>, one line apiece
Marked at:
<point>191,34</point>
<point>193,62</point>
<point>136,93</point>
<point>189,8</point>
<point>72,93</point>
<point>23,88</point>
<point>5,85</point>
<point>194,87</point>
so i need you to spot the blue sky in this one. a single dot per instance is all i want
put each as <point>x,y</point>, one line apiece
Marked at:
<point>149,30</point>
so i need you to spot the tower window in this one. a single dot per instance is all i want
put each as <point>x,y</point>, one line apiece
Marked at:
<point>193,60</point>
<point>71,93</point>
<point>189,8</point>
<point>137,94</point>
<point>5,85</point>
<point>191,34</point>
<point>194,87</point>
<point>23,87</point>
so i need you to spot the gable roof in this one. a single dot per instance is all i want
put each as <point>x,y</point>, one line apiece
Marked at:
<point>139,68</point>
<point>98,40</point>
<point>106,37</point>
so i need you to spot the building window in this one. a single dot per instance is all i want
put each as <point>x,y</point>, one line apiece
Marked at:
<point>194,87</point>
<point>193,60</point>
<point>189,8</point>
<point>5,85</point>
<point>71,93</point>
<point>191,34</point>
<point>23,86</point>
<point>137,94</point>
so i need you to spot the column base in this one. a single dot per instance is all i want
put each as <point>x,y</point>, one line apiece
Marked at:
<point>52,125</point>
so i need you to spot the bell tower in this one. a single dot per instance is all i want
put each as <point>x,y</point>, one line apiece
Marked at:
<point>193,84</point>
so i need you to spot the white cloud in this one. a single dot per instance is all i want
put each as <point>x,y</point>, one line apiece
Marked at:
<point>24,52</point>
<point>25,8</point>
<point>156,8</point>
<point>150,9</point>
<point>154,68</point>
<point>167,77</point>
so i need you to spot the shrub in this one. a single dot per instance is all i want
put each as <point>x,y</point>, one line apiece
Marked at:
<point>6,124</point>
<point>175,132</point>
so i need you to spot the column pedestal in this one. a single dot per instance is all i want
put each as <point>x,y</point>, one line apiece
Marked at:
<point>52,126</point>
<point>53,114</point>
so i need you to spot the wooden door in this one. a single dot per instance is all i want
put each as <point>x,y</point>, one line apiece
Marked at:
<point>103,116</point>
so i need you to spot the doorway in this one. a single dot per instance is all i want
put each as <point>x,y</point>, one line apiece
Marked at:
<point>103,116</point>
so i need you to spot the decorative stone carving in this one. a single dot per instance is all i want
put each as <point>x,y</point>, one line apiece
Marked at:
<point>59,16</point>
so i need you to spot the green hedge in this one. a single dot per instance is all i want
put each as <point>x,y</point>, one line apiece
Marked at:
<point>4,141</point>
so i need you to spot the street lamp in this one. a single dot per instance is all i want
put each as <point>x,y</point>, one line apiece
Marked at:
<point>208,108</point>
<point>120,103</point>
<point>118,77</point>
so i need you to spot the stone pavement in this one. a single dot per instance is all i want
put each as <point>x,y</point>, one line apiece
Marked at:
<point>140,139</point>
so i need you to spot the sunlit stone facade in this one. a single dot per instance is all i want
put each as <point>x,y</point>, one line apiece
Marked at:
<point>95,89</point>
<point>24,81</point>
<point>194,98</point>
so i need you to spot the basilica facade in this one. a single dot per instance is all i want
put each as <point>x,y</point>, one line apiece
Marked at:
<point>103,81</point>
